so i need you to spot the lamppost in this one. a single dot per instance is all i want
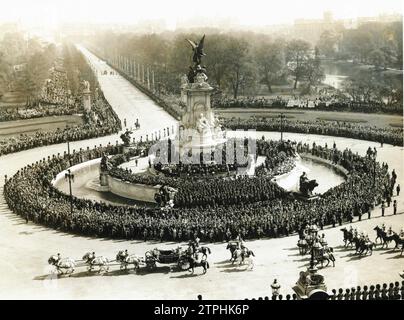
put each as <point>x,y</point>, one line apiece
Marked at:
<point>374,170</point>
<point>312,265</point>
<point>68,153</point>
<point>281,116</point>
<point>70,176</point>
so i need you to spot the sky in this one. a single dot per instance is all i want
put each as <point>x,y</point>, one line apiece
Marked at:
<point>244,12</point>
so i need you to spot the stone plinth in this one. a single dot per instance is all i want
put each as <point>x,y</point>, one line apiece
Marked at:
<point>87,100</point>
<point>199,129</point>
<point>103,178</point>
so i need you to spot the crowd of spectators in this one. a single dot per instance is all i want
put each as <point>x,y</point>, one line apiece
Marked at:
<point>392,135</point>
<point>201,185</point>
<point>56,88</point>
<point>31,194</point>
<point>325,102</point>
<point>55,99</point>
<point>101,121</point>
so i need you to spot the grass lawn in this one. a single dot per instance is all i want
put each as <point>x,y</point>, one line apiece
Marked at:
<point>30,126</point>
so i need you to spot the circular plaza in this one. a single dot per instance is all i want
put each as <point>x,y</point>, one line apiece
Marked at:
<point>276,254</point>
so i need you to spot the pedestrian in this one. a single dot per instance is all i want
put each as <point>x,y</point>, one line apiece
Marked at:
<point>136,162</point>
<point>398,190</point>
<point>275,288</point>
<point>383,208</point>
<point>369,213</point>
<point>394,207</point>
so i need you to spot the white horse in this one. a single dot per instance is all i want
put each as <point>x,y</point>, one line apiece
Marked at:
<point>93,261</point>
<point>126,260</point>
<point>67,264</point>
<point>248,258</point>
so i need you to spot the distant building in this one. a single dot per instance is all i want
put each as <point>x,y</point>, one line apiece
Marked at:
<point>311,29</point>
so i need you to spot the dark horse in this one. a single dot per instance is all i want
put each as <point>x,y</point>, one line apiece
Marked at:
<point>348,237</point>
<point>205,251</point>
<point>325,256</point>
<point>382,235</point>
<point>363,247</point>
<point>232,246</point>
<point>398,242</point>
<point>194,264</point>
<point>307,187</point>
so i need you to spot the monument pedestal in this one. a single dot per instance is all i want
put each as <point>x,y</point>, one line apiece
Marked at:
<point>104,179</point>
<point>87,100</point>
<point>199,129</point>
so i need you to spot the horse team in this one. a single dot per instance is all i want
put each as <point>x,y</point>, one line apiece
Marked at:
<point>311,242</point>
<point>194,256</point>
<point>363,245</point>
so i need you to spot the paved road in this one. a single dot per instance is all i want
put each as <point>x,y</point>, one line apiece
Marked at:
<point>26,247</point>
<point>128,102</point>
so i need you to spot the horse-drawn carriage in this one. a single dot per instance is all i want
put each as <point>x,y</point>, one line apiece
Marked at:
<point>176,256</point>
<point>311,242</point>
<point>307,238</point>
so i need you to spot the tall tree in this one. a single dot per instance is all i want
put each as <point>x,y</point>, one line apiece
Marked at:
<point>314,73</point>
<point>297,55</point>
<point>218,57</point>
<point>269,59</point>
<point>327,43</point>
<point>238,60</point>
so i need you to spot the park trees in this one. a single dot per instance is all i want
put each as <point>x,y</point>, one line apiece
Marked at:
<point>361,88</point>
<point>297,56</point>
<point>303,65</point>
<point>36,71</point>
<point>328,43</point>
<point>5,74</point>
<point>313,72</point>
<point>269,58</point>
<point>238,67</point>
<point>219,57</point>
<point>77,69</point>
<point>358,43</point>
<point>374,43</point>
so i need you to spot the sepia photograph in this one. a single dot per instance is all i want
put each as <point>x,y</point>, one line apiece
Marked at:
<point>201,150</point>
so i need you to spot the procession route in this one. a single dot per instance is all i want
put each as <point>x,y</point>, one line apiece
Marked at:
<point>25,248</point>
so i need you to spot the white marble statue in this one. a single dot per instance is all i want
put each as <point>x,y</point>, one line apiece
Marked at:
<point>184,81</point>
<point>202,124</point>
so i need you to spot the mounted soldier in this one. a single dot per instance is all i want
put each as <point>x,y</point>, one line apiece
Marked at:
<point>306,186</point>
